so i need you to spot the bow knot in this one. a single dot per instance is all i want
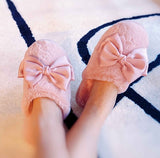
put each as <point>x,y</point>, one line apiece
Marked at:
<point>46,70</point>
<point>59,73</point>
<point>122,59</point>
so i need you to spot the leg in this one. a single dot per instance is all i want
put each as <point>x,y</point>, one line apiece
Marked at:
<point>47,125</point>
<point>46,73</point>
<point>120,56</point>
<point>83,136</point>
<point>48,134</point>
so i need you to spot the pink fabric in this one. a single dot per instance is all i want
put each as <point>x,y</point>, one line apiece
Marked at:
<point>47,73</point>
<point>59,73</point>
<point>119,57</point>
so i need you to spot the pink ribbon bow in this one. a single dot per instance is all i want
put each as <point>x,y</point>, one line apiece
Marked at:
<point>59,73</point>
<point>132,66</point>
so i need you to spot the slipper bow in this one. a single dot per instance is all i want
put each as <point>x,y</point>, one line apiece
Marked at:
<point>132,65</point>
<point>58,73</point>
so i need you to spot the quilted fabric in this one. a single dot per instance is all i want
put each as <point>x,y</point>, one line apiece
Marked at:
<point>40,83</point>
<point>119,57</point>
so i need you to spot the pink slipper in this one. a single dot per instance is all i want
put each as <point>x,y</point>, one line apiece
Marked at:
<point>120,57</point>
<point>47,73</point>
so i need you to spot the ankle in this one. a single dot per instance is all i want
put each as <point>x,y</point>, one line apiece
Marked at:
<point>104,86</point>
<point>102,97</point>
<point>102,90</point>
<point>46,107</point>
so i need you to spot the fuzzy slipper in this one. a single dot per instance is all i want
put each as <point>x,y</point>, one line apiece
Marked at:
<point>120,57</point>
<point>47,73</point>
